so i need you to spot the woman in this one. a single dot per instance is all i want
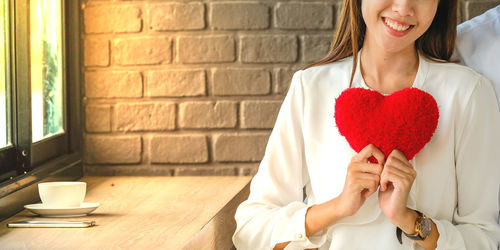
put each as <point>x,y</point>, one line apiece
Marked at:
<point>444,198</point>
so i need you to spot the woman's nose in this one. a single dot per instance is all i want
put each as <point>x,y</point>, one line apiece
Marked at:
<point>403,7</point>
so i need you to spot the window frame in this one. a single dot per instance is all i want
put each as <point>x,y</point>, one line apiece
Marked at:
<point>55,145</point>
<point>57,157</point>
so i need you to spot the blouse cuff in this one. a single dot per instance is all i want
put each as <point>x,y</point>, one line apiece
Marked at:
<point>445,240</point>
<point>291,226</point>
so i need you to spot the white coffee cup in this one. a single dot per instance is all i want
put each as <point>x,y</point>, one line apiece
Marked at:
<point>62,193</point>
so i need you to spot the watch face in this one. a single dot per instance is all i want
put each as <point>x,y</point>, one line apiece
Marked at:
<point>425,227</point>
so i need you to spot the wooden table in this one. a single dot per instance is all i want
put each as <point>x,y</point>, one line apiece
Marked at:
<point>143,213</point>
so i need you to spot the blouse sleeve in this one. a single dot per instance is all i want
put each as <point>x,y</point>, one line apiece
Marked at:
<point>275,211</point>
<point>477,148</point>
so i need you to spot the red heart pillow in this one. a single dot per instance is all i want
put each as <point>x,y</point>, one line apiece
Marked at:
<point>405,120</point>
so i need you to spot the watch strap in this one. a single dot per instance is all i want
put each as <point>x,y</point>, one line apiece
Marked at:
<point>410,236</point>
<point>398,235</point>
<point>414,237</point>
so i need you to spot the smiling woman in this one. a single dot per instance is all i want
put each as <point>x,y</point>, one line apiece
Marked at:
<point>400,200</point>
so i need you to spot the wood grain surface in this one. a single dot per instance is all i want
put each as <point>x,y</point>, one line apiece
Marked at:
<point>143,213</point>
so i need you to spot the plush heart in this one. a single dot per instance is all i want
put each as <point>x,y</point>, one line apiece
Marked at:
<point>405,120</point>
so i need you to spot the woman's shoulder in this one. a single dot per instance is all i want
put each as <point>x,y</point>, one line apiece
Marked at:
<point>326,72</point>
<point>454,80</point>
<point>454,73</point>
<point>339,65</point>
<point>455,68</point>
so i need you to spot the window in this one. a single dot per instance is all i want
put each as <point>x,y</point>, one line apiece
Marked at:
<point>46,69</point>
<point>39,127</point>
<point>4,69</point>
<point>7,152</point>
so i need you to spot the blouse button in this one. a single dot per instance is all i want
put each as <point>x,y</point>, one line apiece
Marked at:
<point>299,236</point>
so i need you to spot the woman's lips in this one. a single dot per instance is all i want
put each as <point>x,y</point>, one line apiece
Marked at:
<point>396,28</point>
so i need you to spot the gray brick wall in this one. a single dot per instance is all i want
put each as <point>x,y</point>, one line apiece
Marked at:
<point>194,87</point>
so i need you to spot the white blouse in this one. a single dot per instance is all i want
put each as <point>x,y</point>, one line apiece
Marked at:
<point>457,179</point>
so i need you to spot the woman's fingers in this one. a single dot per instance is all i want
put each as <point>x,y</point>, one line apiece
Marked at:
<point>399,155</point>
<point>406,167</point>
<point>366,183</point>
<point>391,175</point>
<point>397,171</point>
<point>366,168</point>
<point>371,185</point>
<point>366,177</point>
<point>368,152</point>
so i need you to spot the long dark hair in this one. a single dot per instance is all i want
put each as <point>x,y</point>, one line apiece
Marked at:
<point>437,43</point>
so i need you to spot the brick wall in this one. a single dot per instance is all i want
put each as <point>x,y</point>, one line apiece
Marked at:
<point>194,87</point>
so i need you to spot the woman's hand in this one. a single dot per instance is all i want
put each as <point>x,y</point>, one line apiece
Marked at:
<point>362,180</point>
<point>395,183</point>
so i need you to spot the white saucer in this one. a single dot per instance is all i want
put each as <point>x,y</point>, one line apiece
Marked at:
<point>45,211</point>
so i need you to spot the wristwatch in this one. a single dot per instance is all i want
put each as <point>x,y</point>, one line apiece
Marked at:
<point>422,228</point>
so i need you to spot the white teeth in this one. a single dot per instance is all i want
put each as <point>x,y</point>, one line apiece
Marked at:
<point>396,26</point>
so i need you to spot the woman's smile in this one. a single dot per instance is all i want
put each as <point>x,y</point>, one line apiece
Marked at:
<point>396,28</point>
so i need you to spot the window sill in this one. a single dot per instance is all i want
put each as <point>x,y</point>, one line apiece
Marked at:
<point>22,190</point>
